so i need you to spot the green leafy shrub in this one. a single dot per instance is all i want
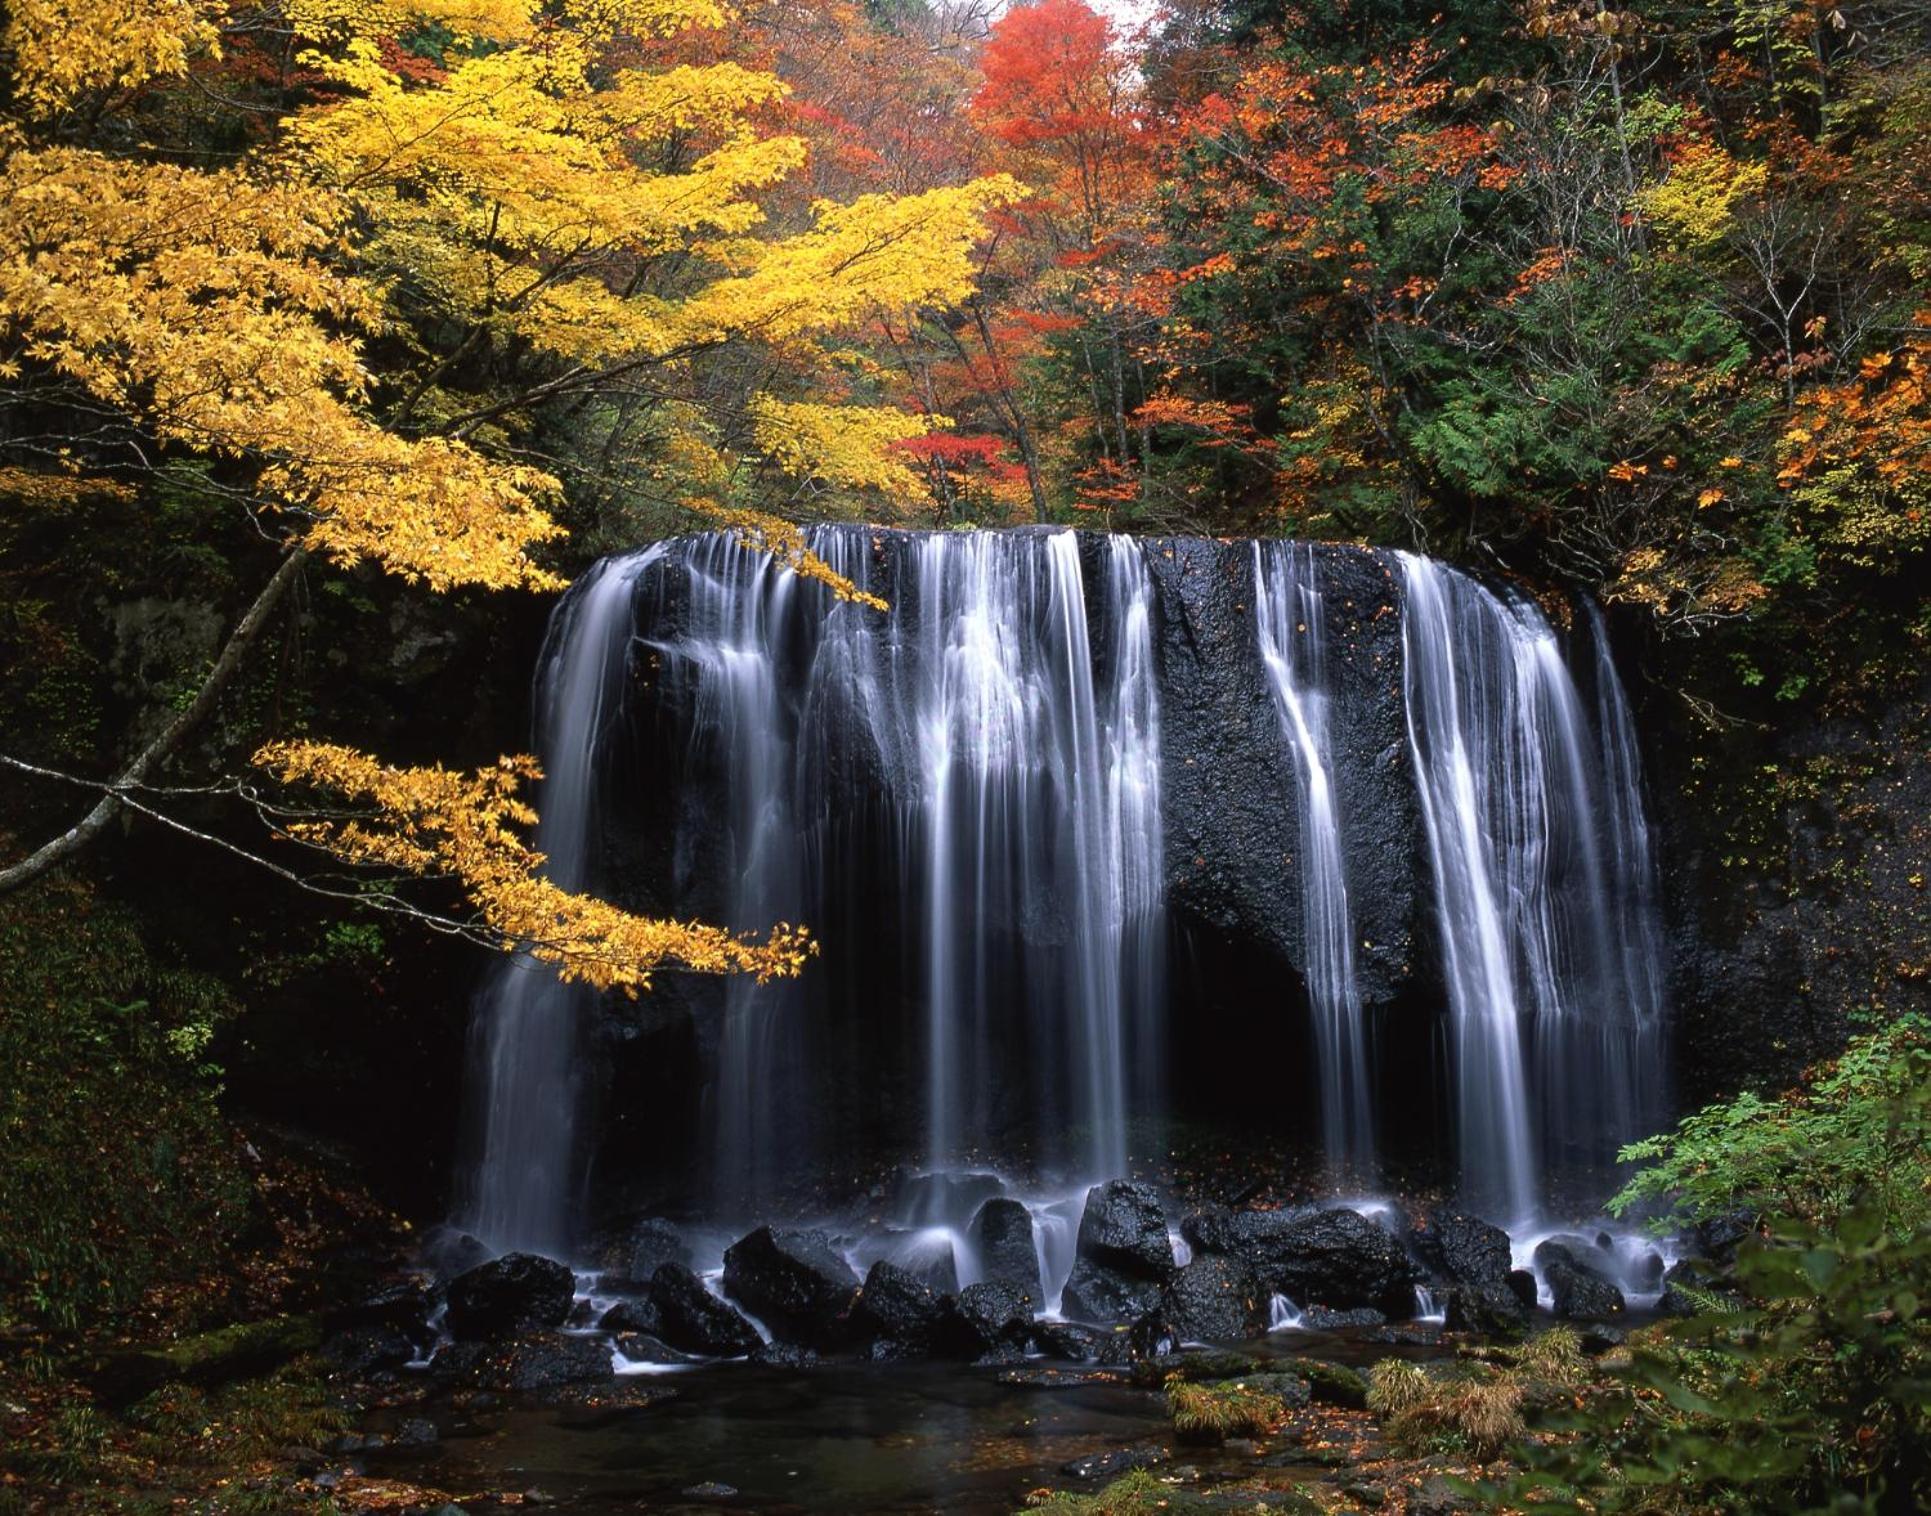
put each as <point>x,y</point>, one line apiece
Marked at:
<point>1810,1389</point>
<point>1851,1134</point>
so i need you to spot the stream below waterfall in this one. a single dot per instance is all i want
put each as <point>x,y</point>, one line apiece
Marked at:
<point>853,1439</point>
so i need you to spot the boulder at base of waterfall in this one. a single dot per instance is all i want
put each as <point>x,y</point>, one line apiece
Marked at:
<point>1096,1293</point>
<point>793,1281</point>
<point>1334,1258</point>
<point>628,1316</point>
<point>1215,1299</point>
<point>542,1361</point>
<point>655,1243</point>
<point>987,1319</point>
<point>1320,1318</point>
<point>509,1294</point>
<point>1464,1250</point>
<point>692,1318</point>
<point>1579,1290</point>
<point>1124,1229</point>
<point>1068,1341</point>
<point>1003,1234</point>
<point>898,1308</point>
<point>1492,1308</point>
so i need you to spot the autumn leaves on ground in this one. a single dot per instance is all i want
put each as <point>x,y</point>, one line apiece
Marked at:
<point>308,307</point>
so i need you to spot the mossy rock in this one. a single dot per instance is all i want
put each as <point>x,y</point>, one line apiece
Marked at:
<point>242,1351</point>
<point>1329,1383</point>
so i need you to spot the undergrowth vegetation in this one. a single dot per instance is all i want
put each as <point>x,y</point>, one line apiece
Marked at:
<point>1810,1388</point>
<point>117,1170</point>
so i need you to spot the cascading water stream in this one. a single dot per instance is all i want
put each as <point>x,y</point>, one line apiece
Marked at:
<point>963,796</point>
<point>1541,863</point>
<point>1291,618</point>
<point>527,1029</point>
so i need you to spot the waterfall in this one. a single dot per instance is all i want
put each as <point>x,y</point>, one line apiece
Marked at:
<point>998,728</point>
<point>1541,864</point>
<point>1291,618</point>
<point>527,1025</point>
<point>962,797</point>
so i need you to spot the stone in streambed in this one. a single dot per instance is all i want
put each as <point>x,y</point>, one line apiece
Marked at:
<point>507,1295</point>
<point>1335,1258</point>
<point>897,1307</point>
<point>692,1318</point>
<point>1578,1287</point>
<point>1124,1229</point>
<point>986,1319</point>
<point>1214,1299</point>
<point>1464,1250</point>
<point>1002,1231</point>
<point>1096,1293</point>
<point>795,1282</point>
<point>631,1316</point>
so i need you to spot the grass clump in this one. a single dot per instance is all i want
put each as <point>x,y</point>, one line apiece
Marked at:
<point>1472,1409</point>
<point>1214,1412</point>
<point>1553,1357</point>
<point>1396,1386</point>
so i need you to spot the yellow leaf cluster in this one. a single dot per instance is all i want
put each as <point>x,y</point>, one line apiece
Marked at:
<point>847,445</point>
<point>468,828</point>
<point>199,301</point>
<point>487,20</point>
<point>879,252</point>
<point>63,49</point>
<point>1697,202</point>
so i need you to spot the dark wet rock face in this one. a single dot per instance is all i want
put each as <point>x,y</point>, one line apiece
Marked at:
<point>692,1318</point>
<point>1068,1341</point>
<point>1331,1258</point>
<point>535,1361</point>
<point>631,1316</point>
<point>655,1243</point>
<point>509,1294</point>
<point>897,1307</point>
<point>1579,1288</point>
<point>1096,1293</point>
<point>1215,1299</point>
<point>988,1319</point>
<point>1491,1308</point>
<point>1124,1256</point>
<point>1464,1250</point>
<point>1123,1228</point>
<point>795,1282</point>
<point>1002,1231</point>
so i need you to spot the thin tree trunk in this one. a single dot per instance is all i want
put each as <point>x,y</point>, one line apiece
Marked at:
<point>90,826</point>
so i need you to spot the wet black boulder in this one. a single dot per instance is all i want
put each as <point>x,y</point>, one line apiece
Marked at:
<point>540,1361</point>
<point>1002,1231</point>
<point>692,1318</point>
<point>795,1282</point>
<point>1123,1228</point>
<point>1579,1289</point>
<point>987,1319</point>
<point>508,1295</point>
<point>898,1308</point>
<point>1335,1258</point>
<point>640,1316</point>
<point>655,1243</point>
<point>1464,1249</point>
<point>1096,1293</point>
<point>1214,1299</point>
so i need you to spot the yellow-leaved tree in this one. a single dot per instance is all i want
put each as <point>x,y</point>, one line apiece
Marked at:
<point>407,282</point>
